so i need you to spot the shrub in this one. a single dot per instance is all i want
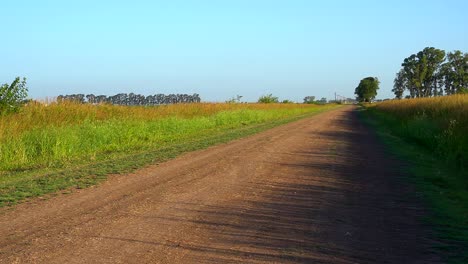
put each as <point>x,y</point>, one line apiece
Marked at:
<point>13,96</point>
<point>268,99</point>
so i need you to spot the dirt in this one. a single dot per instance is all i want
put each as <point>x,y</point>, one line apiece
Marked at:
<point>318,190</point>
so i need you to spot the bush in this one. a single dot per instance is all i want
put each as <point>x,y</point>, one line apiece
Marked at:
<point>268,99</point>
<point>13,96</point>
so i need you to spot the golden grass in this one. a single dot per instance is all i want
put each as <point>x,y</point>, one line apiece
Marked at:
<point>453,107</point>
<point>439,124</point>
<point>38,115</point>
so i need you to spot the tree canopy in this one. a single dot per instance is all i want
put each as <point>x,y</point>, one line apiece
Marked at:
<point>455,73</point>
<point>309,99</point>
<point>367,89</point>
<point>430,72</point>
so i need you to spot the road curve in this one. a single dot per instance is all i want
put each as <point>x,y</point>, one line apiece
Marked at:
<point>318,190</point>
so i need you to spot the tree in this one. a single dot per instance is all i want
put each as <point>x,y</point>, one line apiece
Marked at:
<point>267,99</point>
<point>454,73</point>
<point>431,73</point>
<point>13,96</point>
<point>399,84</point>
<point>236,99</point>
<point>367,89</point>
<point>420,73</point>
<point>286,101</point>
<point>309,99</point>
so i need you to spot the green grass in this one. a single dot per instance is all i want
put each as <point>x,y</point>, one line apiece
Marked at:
<point>45,160</point>
<point>438,175</point>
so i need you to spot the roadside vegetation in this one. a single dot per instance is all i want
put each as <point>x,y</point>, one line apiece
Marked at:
<point>46,148</point>
<point>430,134</point>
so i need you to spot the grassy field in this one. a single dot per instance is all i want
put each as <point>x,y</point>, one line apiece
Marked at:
<point>47,148</point>
<point>431,136</point>
<point>438,124</point>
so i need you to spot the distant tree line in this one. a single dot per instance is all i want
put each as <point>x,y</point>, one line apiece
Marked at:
<point>311,100</point>
<point>432,72</point>
<point>131,99</point>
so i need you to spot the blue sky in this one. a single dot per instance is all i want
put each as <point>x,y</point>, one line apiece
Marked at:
<point>219,49</point>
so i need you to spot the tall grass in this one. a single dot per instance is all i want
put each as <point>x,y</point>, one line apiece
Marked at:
<point>56,135</point>
<point>431,135</point>
<point>439,124</point>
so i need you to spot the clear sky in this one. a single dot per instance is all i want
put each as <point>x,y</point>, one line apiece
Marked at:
<point>222,48</point>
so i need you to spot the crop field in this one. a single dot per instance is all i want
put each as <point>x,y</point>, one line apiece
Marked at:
<point>430,135</point>
<point>45,148</point>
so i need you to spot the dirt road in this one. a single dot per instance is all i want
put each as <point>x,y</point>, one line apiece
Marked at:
<point>319,190</point>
